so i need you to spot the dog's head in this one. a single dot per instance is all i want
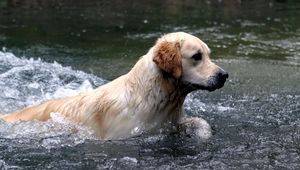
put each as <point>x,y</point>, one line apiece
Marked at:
<point>186,58</point>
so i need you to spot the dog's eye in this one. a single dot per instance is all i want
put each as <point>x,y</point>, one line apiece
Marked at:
<point>197,56</point>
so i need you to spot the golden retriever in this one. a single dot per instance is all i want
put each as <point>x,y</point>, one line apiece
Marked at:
<point>151,94</point>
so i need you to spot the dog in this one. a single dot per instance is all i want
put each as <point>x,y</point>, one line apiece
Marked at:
<point>149,95</point>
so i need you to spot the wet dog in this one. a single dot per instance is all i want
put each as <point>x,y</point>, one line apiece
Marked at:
<point>151,94</point>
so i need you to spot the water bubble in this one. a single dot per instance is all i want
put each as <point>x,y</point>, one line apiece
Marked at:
<point>145,21</point>
<point>277,19</point>
<point>127,159</point>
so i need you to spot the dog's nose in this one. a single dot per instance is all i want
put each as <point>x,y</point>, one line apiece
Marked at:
<point>225,75</point>
<point>222,74</point>
<point>218,80</point>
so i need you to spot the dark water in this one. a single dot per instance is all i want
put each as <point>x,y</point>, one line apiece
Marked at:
<point>255,117</point>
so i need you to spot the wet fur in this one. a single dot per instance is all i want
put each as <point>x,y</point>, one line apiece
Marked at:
<point>147,96</point>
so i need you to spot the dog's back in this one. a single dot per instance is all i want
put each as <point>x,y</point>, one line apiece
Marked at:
<point>152,93</point>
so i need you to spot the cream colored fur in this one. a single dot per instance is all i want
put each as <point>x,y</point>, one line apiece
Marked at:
<point>140,100</point>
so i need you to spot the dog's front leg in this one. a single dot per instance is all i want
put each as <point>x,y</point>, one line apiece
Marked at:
<point>194,127</point>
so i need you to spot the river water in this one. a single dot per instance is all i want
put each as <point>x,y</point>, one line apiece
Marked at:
<point>56,48</point>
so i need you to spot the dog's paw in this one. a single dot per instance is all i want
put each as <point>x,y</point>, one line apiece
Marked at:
<point>195,127</point>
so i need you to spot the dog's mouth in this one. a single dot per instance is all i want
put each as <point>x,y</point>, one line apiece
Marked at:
<point>209,88</point>
<point>213,84</point>
<point>189,87</point>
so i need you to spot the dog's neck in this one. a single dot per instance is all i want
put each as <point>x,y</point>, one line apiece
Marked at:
<point>149,74</point>
<point>156,86</point>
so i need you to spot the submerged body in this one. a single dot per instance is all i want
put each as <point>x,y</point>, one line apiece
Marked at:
<point>151,94</point>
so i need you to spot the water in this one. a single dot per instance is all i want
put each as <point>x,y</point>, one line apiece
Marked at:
<point>60,49</point>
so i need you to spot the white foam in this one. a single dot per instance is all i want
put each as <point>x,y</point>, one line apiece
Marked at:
<point>25,82</point>
<point>129,160</point>
<point>223,108</point>
<point>196,107</point>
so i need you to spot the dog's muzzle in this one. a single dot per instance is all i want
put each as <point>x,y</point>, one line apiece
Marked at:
<point>218,80</point>
<point>214,82</point>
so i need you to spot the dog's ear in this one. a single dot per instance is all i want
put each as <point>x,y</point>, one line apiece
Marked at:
<point>168,58</point>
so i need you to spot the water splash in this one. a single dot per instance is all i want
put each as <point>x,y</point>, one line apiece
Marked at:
<point>25,82</point>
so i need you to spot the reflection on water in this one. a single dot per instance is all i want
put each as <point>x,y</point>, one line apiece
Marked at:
<point>255,117</point>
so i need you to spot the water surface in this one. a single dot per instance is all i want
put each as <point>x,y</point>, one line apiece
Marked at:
<point>56,49</point>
